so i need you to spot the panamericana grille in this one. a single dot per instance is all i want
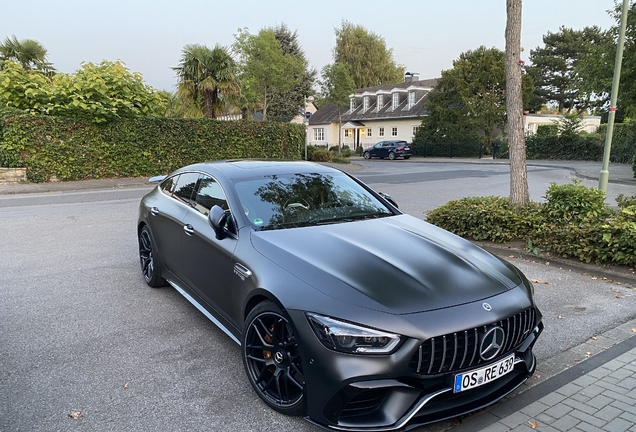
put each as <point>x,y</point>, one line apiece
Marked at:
<point>456,351</point>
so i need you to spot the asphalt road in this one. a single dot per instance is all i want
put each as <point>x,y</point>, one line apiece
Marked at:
<point>80,330</point>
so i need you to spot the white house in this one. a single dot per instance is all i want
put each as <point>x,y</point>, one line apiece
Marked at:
<point>589,124</point>
<point>387,112</point>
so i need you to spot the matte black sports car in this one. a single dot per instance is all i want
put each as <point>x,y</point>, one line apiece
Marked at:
<point>348,312</point>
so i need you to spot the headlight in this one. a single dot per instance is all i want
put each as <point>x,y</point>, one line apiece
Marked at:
<point>350,338</point>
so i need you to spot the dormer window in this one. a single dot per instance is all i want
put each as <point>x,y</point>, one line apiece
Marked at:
<point>365,103</point>
<point>380,101</point>
<point>411,99</point>
<point>352,104</point>
<point>396,100</point>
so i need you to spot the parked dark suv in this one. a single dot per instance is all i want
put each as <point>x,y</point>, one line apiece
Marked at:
<point>389,149</point>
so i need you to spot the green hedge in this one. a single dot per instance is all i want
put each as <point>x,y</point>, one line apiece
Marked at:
<point>573,222</point>
<point>77,150</point>
<point>583,146</point>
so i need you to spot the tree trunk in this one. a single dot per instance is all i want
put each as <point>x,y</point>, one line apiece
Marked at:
<point>208,107</point>
<point>519,194</point>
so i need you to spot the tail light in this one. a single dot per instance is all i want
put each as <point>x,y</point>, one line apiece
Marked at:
<point>400,148</point>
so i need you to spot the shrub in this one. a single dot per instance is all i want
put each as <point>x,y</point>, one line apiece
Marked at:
<point>143,146</point>
<point>545,130</point>
<point>574,203</point>
<point>485,218</point>
<point>321,155</point>
<point>573,222</point>
<point>340,159</point>
<point>625,201</point>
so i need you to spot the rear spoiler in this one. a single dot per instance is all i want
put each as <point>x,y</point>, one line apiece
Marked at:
<point>156,179</point>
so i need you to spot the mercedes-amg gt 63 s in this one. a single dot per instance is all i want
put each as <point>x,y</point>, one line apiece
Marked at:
<point>348,312</point>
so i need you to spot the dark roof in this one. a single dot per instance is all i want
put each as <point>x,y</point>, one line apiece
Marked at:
<point>329,113</point>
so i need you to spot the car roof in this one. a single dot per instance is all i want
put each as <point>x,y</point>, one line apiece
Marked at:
<point>247,168</point>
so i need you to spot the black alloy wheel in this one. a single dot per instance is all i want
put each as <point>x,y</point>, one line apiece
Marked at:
<point>150,265</point>
<point>366,155</point>
<point>391,155</point>
<point>272,359</point>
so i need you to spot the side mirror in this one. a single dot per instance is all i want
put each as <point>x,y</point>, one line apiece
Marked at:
<point>389,199</point>
<point>217,219</point>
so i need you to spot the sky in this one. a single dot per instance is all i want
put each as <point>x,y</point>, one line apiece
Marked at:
<point>425,35</point>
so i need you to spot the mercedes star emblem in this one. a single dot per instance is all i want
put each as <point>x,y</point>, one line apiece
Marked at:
<point>491,343</point>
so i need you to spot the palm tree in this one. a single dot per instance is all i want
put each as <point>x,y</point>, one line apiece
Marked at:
<point>28,52</point>
<point>208,77</point>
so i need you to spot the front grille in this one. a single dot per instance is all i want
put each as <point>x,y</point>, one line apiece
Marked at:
<point>456,351</point>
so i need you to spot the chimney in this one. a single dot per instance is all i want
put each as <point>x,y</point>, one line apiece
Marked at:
<point>408,77</point>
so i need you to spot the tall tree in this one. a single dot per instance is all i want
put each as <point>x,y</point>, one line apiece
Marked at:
<point>285,106</point>
<point>208,78</point>
<point>30,54</point>
<point>555,67</point>
<point>266,69</point>
<point>337,85</point>
<point>368,60</point>
<point>519,194</point>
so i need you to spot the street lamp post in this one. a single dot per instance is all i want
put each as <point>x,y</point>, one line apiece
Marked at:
<point>306,121</point>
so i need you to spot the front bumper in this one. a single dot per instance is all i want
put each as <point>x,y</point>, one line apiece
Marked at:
<point>384,393</point>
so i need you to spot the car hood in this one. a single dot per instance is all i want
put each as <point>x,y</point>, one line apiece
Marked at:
<point>396,264</point>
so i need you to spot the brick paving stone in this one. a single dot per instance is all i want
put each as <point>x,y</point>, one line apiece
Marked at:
<point>559,410</point>
<point>593,390</point>
<point>534,409</point>
<point>586,380</point>
<point>543,418</point>
<point>627,383</point>
<point>608,413</point>
<point>569,389</point>
<point>616,395</point>
<point>580,397</point>
<point>614,364</point>
<point>580,406</point>
<point>588,427</point>
<point>588,418</point>
<point>514,420</point>
<point>629,417</point>
<point>552,399</point>
<point>600,372</point>
<point>625,407</point>
<point>610,380</point>
<point>621,374</point>
<point>631,394</point>
<point>618,425</point>
<point>565,423</point>
<point>599,401</point>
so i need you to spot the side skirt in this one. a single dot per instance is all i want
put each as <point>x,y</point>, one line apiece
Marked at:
<point>204,311</point>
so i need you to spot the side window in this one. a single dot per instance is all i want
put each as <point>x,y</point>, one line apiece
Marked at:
<point>167,186</point>
<point>184,187</point>
<point>209,194</point>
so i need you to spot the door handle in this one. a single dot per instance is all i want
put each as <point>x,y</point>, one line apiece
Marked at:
<point>154,211</point>
<point>189,230</point>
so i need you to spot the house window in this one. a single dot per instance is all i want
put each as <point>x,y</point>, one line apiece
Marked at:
<point>394,131</point>
<point>348,133</point>
<point>319,134</point>
<point>352,104</point>
<point>381,131</point>
<point>415,128</point>
<point>365,103</point>
<point>411,99</point>
<point>396,100</point>
<point>368,132</point>
<point>380,102</point>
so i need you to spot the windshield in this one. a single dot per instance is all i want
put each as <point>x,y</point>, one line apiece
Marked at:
<point>295,200</point>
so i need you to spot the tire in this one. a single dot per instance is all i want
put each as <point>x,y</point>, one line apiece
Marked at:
<point>149,260</point>
<point>407,157</point>
<point>391,156</point>
<point>366,155</point>
<point>272,361</point>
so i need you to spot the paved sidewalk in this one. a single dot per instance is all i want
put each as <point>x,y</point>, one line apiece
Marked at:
<point>598,394</point>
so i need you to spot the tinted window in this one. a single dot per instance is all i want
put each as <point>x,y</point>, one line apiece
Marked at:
<point>168,184</point>
<point>209,194</point>
<point>185,186</point>
<point>387,144</point>
<point>295,200</point>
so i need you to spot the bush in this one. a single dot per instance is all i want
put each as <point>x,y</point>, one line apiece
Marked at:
<point>340,159</point>
<point>321,154</point>
<point>486,218</point>
<point>573,222</point>
<point>548,130</point>
<point>143,146</point>
<point>625,201</point>
<point>574,203</point>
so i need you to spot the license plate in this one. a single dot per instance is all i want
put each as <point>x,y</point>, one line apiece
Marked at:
<point>407,148</point>
<point>478,377</point>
